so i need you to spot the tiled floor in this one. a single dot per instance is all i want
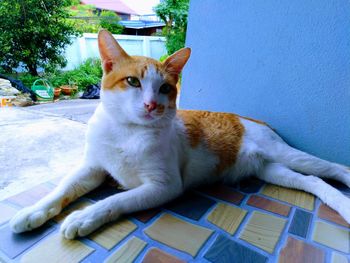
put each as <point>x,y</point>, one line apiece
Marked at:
<point>248,222</point>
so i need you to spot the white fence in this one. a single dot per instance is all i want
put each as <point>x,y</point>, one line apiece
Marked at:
<point>86,47</point>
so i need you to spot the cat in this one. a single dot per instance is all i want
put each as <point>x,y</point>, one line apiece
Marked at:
<point>156,152</point>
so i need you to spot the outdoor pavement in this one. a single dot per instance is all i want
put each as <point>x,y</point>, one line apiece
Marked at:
<point>41,142</point>
<point>248,222</point>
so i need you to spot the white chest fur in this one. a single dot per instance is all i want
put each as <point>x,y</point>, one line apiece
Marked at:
<point>131,154</point>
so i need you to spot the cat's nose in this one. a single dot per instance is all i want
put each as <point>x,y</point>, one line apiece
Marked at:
<point>151,106</point>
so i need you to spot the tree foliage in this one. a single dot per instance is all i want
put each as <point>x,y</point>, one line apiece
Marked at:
<point>34,32</point>
<point>110,21</point>
<point>174,14</point>
<point>87,19</point>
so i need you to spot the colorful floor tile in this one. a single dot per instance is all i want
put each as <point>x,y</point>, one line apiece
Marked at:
<point>294,197</point>
<point>266,204</point>
<point>338,258</point>
<point>328,213</point>
<point>155,255</point>
<point>248,222</point>
<point>263,231</point>
<point>300,223</point>
<point>111,234</point>
<point>7,212</point>
<point>57,249</point>
<point>297,251</point>
<point>332,236</point>
<point>227,217</point>
<point>128,252</point>
<point>178,234</point>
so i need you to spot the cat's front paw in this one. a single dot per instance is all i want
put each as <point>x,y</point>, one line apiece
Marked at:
<point>81,223</point>
<point>31,217</point>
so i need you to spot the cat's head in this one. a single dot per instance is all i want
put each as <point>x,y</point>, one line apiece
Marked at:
<point>137,89</point>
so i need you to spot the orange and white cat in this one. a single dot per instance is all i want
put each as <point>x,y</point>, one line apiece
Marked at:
<point>156,152</point>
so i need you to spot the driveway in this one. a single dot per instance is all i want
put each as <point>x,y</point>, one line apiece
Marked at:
<point>41,142</point>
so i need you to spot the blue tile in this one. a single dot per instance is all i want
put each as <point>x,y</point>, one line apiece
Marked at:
<point>225,250</point>
<point>250,186</point>
<point>300,223</point>
<point>103,192</point>
<point>191,205</point>
<point>13,244</point>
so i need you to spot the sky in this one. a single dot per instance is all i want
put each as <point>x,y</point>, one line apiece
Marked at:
<point>143,7</point>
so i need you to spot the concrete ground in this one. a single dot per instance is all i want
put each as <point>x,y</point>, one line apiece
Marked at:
<point>41,142</point>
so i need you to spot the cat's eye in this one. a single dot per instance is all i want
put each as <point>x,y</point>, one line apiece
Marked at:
<point>132,81</point>
<point>165,89</point>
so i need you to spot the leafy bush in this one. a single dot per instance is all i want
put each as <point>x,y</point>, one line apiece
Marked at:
<point>27,79</point>
<point>87,19</point>
<point>110,21</point>
<point>89,72</point>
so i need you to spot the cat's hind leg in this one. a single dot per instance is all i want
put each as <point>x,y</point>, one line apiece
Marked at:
<point>307,164</point>
<point>279,174</point>
<point>79,182</point>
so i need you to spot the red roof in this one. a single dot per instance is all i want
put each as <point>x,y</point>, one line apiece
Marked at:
<point>113,5</point>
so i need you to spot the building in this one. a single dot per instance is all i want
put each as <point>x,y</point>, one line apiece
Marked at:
<point>137,17</point>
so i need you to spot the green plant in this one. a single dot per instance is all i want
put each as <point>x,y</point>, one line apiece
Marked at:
<point>27,79</point>
<point>34,32</point>
<point>87,19</point>
<point>163,58</point>
<point>110,21</point>
<point>174,14</point>
<point>88,73</point>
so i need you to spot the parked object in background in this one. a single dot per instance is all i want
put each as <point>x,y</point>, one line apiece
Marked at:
<point>18,84</point>
<point>6,101</point>
<point>69,89</point>
<point>43,90</point>
<point>92,92</point>
<point>57,92</point>
<point>6,88</point>
<point>22,100</point>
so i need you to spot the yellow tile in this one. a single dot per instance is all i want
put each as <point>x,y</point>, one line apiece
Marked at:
<point>338,258</point>
<point>263,231</point>
<point>227,217</point>
<point>292,196</point>
<point>57,249</point>
<point>111,234</point>
<point>332,236</point>
<point>78,206</point>
<point>6,212</point>
<point>128,252</point>
<point>178,234</point>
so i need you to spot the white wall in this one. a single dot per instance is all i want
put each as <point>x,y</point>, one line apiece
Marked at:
<point>86,47</point>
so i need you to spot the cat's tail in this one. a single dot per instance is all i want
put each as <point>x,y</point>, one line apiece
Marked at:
<point>307,164</point>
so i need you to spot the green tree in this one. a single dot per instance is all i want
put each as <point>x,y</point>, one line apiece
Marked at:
<point>34,32</point>
<point>83,17</point>
<point>110,21</point>
<point>174,14</point>
<point>87,19</point>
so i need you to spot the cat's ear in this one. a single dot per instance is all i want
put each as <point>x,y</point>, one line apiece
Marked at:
<point>175,63</point>
<point>110,51</point>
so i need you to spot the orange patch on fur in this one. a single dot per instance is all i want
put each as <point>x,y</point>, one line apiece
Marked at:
<point>221,132</point>
<point>160,109</point>
<point>65,202</point>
